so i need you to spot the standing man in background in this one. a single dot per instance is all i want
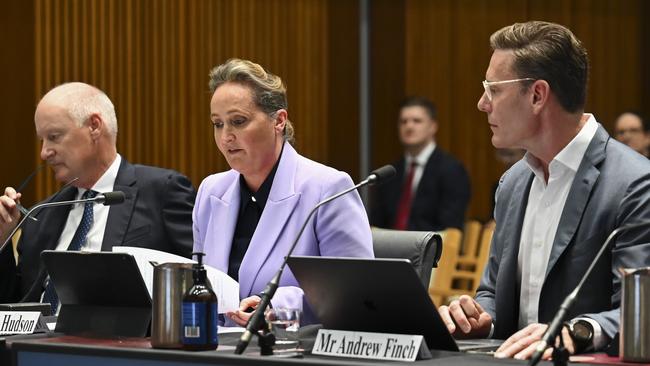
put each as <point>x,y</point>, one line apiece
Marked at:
<point>434,189</point>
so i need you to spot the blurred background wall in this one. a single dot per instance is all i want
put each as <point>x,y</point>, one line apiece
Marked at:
<point>152,58</point>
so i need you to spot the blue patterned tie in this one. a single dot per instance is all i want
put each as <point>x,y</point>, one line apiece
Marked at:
<point>78,241</point>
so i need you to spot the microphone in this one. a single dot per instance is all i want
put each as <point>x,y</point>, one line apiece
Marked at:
<point>255,321</point>
<point>556,324</point>
<point>107,198</point>
<point>110,198</point>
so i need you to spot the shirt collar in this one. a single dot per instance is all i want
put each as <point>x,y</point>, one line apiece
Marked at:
<point>421,158</point>
<point>262,195</point>
<point>106,182</point>
<point>571,155</point>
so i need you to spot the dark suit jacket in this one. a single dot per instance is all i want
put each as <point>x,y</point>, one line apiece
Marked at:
<point>611,189</point>
<point>156,214</point>
<point>440,200</point>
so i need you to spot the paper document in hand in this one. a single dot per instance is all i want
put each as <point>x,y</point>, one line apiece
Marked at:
<point>226,288</point>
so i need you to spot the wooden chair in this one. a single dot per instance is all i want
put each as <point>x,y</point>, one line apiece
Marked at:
<point>459,274</point>
<point>471,236</point>
<point>468,250</point>
<point>470,267</point>
<point>484,252</point>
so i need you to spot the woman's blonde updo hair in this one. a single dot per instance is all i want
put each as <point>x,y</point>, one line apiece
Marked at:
<point>269,93</point>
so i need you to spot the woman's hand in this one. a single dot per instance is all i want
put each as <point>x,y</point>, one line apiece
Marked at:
<point>244,313</point>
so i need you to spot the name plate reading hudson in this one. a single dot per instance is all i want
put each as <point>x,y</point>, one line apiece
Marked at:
<point>376,346</point>
<point>18,322</point>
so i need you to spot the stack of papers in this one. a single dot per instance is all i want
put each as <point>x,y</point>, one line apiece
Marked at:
<point>224,286</point>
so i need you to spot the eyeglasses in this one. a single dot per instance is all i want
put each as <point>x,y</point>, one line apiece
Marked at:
<point>488,84</point>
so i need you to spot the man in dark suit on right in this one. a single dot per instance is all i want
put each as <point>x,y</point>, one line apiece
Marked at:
<point>433,189</point>
<point>556,207</point>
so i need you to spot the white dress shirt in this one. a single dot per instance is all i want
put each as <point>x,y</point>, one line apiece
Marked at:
<point>100,213</point>
<point>545,205</point>
<point>421,160</point>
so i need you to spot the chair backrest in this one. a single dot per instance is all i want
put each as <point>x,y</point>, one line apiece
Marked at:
<point>471,237</point>
<point>422,248</point>
<point>483,253</point>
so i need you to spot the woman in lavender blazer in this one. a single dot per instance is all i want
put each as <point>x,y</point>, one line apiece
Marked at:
<point>245,219</point>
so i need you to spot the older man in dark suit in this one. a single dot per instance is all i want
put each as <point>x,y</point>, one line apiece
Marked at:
<point>434,189</point>
<point>77,125</point>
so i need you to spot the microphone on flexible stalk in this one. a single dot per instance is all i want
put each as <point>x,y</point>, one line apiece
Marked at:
<point>106,198</point>
<point>256,320</point>
<point>556,324</point>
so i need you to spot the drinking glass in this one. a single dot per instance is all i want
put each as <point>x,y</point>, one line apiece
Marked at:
<point>284,323</point>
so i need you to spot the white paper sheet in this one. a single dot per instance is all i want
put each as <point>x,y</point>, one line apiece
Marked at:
<point>226,288</point>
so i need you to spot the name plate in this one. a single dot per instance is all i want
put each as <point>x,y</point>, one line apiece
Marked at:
<point>376,346</point>
<point>20,322</point>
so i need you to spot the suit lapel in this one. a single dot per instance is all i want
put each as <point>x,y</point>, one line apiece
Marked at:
<point>225,212</point>
<point>119,216</point>
<point>583,183</point>
<point>507,281</point>
<point>279,207</point>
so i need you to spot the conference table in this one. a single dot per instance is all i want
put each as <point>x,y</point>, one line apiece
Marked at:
<point>59,350</point>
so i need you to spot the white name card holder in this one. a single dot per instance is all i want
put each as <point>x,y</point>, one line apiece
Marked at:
<point>375,346</point>
<point>21,322</point>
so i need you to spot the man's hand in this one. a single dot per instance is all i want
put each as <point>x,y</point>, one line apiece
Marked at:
<point>465,318</point>
<point>9,212</point>
<point>242,315</point>
<point>522,344</point>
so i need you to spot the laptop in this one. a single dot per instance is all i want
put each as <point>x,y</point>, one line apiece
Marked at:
<point>101,293</point>
<point>374,295</point>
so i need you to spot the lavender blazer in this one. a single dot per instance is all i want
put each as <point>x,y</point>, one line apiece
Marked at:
<point>339,228</point>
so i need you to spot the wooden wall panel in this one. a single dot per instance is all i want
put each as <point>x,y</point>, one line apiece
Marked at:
<point>17,104</point>
<point>343,86</point>
<point>388,64</point>
<point>447,52</point>
<point>152,58</point>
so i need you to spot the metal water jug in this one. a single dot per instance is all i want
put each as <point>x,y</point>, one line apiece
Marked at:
<point>170,282</point>
<point>635,315</point>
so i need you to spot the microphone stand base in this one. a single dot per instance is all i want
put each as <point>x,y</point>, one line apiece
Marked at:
<point>266,341</point>
<point>560,354</point>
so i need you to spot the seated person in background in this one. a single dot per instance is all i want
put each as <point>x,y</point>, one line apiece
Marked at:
<point>557,206</point>
<point>431,189</point>
<point>632,130</point>
<point>77,125</point>
<point>246,219</point>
